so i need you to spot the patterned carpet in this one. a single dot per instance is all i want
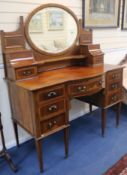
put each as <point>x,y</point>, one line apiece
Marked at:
<point>120,168</point>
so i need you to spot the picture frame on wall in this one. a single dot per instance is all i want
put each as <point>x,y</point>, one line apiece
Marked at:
<point>55,20</point>
<point>101,13</point>
<point>36,23</point>
<point>124,15</point>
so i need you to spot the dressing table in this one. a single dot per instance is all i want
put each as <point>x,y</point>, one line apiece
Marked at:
<point>61,64</point>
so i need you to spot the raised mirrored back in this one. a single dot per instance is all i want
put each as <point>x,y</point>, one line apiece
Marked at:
<point>52,29</point>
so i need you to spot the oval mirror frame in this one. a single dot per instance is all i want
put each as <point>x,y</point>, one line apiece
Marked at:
<point>30,42</point>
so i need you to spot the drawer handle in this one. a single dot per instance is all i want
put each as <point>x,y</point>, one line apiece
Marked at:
<point>52,108</point>
<point>50,125</point>
<point>115,76</point>
<point>82,88</point>
<point>114,98</point>
<point>52,94</point>
<point>28,72</point>
<point>114,86</point>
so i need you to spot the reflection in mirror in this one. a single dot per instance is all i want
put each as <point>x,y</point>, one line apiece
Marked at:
<point>52,30</point>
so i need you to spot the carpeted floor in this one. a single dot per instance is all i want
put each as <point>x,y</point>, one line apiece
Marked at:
<point>89,154</point>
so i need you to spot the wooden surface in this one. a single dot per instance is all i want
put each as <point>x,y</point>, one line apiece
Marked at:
<point>64,75</point>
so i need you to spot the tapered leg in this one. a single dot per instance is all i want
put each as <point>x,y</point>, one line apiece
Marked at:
<point>90,108</point>
<point>118,110</point>
<point>66,141</point>
<point>103,121</point>
<point>39,153</point>
<point>16,133</point>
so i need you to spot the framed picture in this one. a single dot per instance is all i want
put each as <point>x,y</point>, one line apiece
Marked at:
<point>124,15</point>
<point>101,13</point>
<point>36,24</point>
<point>55,20</point>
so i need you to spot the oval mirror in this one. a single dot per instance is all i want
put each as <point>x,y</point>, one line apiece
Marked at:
<point>52,29</point>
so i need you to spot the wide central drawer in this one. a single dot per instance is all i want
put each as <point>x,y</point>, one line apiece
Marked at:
<point>85,87</point>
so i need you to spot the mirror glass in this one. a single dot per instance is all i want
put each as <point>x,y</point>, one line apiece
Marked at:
<point>52,30</point>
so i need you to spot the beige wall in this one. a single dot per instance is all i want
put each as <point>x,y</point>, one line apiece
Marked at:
<point>113,42</point>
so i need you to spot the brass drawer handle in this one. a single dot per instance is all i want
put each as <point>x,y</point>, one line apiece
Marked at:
<point>27,72</point>
<point>82,88</point>
<point>52,94</point>
<point>52,108</point>
<point>50,124</point>
<point>114,98</point>
<point>114,86</point>
<point>115,76</point>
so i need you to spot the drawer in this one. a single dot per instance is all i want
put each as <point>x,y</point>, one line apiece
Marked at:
<point>114,75</point>
<point>114,97</point>
<point>50,93</point>
<point>53,123</point>
<point>52,109</point>
<point>114,86</point>
<point>85,87</point>
<point>26,72</point>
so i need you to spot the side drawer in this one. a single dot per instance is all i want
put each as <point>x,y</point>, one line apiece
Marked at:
<point>114,86</point>
<point>52,109</point>
<point>85,87</point>
<point>114,97</point>
<point>50,93</point>
<point>27,72</point>
<point>114,75</point>
<point>53,123</point>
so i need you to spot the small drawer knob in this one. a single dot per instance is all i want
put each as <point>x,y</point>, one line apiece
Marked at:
<point>114,98</point>
<point>27,72</point>
<point>54,122</point>
<point>113,86</point>
<point>50,125</point>
<point>100,82</point>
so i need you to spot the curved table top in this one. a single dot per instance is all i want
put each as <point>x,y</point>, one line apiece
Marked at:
<point>64,75</point>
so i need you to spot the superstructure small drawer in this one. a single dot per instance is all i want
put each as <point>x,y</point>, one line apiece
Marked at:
<point>53,123</point>
<point>52,109</point>
<point>114,75</point>
<point>50,93</point>
<point>22,73</point>
<point>85,87</point>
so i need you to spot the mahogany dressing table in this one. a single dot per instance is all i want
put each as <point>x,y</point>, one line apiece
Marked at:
<point>62,64</point>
